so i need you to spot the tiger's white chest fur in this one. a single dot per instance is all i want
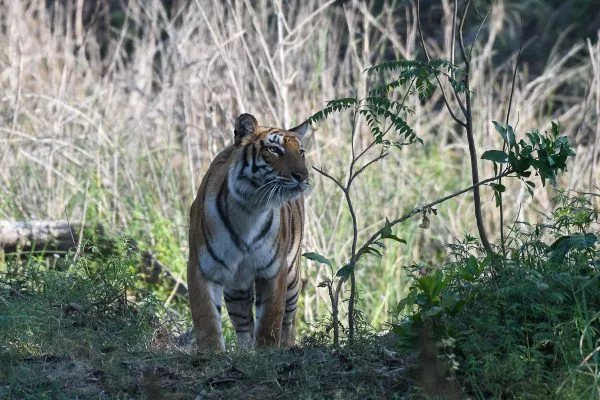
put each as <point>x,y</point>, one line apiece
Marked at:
<point>243,243</point>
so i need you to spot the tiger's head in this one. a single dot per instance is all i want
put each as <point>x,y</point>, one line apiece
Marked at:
<point>270,168</point>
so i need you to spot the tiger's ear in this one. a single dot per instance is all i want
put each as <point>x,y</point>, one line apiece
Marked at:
<point>300,130</point>
<point>245,125</point>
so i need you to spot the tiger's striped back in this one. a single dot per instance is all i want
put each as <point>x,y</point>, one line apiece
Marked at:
<point>246,227</point>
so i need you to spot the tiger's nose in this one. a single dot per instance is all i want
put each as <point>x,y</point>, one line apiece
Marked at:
<point>300,175</point>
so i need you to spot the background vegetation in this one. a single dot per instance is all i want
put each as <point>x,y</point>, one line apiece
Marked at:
<point>112,114</point>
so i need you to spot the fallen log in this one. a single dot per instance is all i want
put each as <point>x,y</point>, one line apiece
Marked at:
<point>25,236</point>
<point>57,238</point>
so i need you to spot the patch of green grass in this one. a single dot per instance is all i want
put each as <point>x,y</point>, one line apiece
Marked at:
<point>72,330</point>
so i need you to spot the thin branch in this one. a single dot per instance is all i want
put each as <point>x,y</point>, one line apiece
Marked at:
<point>512,91</point>
<point>489,9</point>
<point>352,262</point>
<point>514,78</point>
<point>353,135</point>
<point>461,41</point>
<point>325,174</point>
<point>334,313</point>
<point>419,209</point>
<point>444,97</point>
<point>453,36</point>
<point>346,191</point>
<point>381,156</point>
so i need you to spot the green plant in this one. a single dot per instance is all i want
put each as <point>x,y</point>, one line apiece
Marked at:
<point>385,118</point>
<point>521,325</point>
<point>545,154</point>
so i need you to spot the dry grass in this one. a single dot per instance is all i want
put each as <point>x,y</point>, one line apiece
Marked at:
<point>125,139</point>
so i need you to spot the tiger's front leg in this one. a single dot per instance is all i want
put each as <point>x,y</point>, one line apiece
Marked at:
<point>239,304</point>
<point>288,329</point>
<point>205,305</point>
<point>270,308</point>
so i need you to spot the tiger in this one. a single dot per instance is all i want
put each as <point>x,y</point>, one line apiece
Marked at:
<point>245,235</point>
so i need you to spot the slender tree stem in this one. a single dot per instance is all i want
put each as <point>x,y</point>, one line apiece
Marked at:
<point>352,262</point>
<point>512,91</point>
<point>470,137</point>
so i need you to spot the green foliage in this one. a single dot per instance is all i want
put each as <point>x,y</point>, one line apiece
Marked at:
<point>419,72</point>
<point>546,153</point>
<point>71,333</point>
<point>332,106</point>
<point>562,245</point>
<point>384,114</point>
<point>58,318</point>
<point>376,247</point>
<point>525,326</point>
<point>79,292</point>
<point>317,257</point>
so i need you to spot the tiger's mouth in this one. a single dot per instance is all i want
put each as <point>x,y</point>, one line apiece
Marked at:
<point>294,186</point>
<point>279,191</point>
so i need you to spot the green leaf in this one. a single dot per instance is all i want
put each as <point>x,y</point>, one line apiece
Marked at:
<point>396,238</point>
<point>501,129</point>
<point>510,135</point>
<point>498,187</point>
<point>561,246</point>
<point>530,186</point>
<point>345,271</point>
<point>495,155</point>
<point>555,129</point>
<point>534,137</point>
<point>317,257</point>
<point>470,270</point>
<point>373,251</point>
<point>498,199</point>
<point>582,241</point>
<point>387,229</point>
<point>559,249</point>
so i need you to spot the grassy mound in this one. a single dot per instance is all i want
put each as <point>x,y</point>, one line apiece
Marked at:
<point>81,329</point>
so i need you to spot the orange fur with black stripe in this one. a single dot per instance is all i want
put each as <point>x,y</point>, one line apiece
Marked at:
<point>246,227</point>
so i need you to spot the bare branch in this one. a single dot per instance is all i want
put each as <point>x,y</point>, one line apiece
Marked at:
<point>326,175</point>
<point>381,156</point>
<point>453,36</point>
<point>514,78</point>
<point>512,91</point>
<point>470,139</point>
<point>444,97</point>
<point>417,210</point>
<point>489,9</point>
<point>461,40</point>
